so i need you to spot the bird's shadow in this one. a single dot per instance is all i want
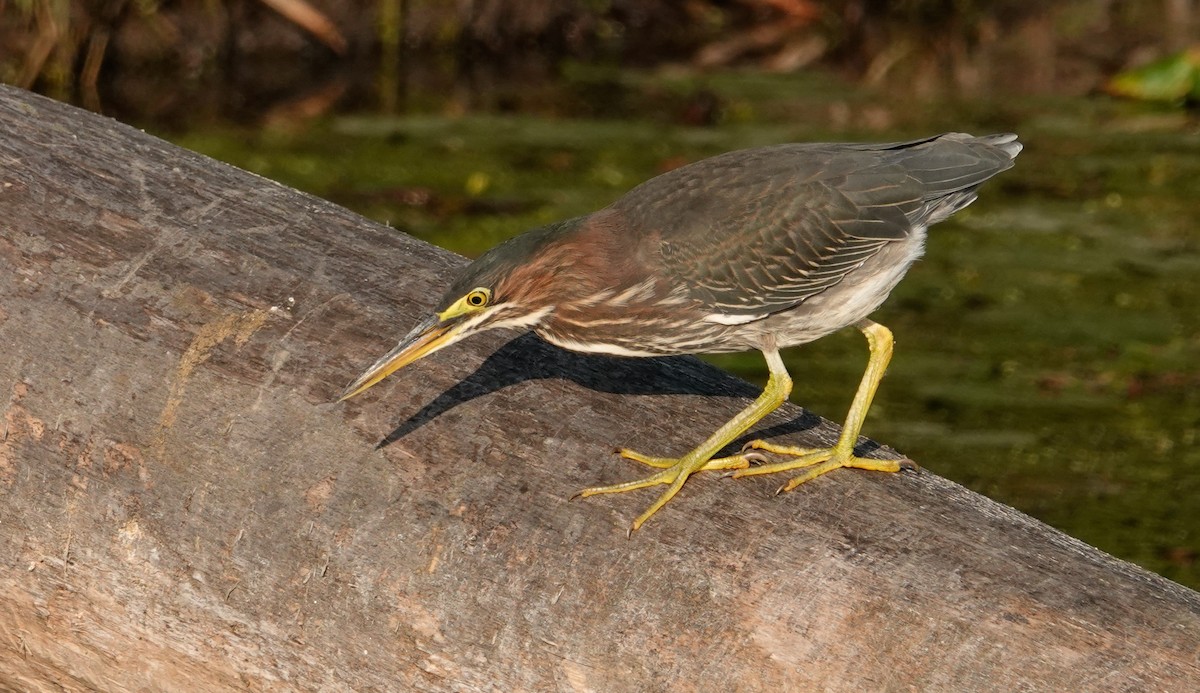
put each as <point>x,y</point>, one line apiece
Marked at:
<point>528,358</point>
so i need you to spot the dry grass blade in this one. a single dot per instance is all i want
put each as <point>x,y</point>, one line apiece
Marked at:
<point>311,20</point>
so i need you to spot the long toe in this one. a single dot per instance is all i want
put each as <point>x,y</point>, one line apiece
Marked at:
<point>666,476</point>
<point>789,450</point>
<point>817,462</point>
<point>739,461</point>
<point>649,461</point>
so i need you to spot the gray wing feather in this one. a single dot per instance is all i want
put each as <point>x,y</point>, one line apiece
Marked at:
<point>762,230</point>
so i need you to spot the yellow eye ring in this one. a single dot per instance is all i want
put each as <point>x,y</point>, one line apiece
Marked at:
<point>478,298</point>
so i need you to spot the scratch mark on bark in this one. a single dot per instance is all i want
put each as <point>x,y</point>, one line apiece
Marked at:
<point>167,239</point>
<point>315,311</point>
<point>282,355</point>
<point>239,326</point>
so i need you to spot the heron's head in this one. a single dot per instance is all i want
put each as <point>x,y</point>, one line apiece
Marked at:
<point>514,284</point>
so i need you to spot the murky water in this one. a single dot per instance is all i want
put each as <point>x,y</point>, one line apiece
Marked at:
<point>1048,346</point>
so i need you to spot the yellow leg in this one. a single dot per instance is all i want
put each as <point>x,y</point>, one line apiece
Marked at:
<point>818,462</point>
<point>676,471</point>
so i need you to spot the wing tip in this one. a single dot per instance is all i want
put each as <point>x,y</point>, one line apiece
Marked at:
<point>1006,142</point>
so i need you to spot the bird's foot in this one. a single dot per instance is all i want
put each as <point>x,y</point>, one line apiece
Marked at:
<point>674,471</point>
<point>815,462</point>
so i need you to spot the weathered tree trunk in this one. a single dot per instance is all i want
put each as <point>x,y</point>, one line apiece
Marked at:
<point>181,507</point>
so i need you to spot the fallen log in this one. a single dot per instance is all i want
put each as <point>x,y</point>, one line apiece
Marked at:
<point>182,508</point>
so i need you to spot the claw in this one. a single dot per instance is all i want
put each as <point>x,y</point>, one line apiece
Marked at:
<point>755,457</point>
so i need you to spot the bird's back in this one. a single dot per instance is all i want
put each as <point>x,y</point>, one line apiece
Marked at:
<point>761,230</point>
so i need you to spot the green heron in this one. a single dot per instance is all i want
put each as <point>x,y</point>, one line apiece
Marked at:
<point>762,249</point>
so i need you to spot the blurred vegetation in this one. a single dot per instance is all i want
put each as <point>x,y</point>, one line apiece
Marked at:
<point>1174,79</point>
<point>186,61</point>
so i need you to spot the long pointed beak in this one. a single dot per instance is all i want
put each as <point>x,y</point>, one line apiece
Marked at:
<point>425,339</point>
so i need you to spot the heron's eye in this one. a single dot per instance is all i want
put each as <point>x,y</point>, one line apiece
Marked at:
<point>478,298</point>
